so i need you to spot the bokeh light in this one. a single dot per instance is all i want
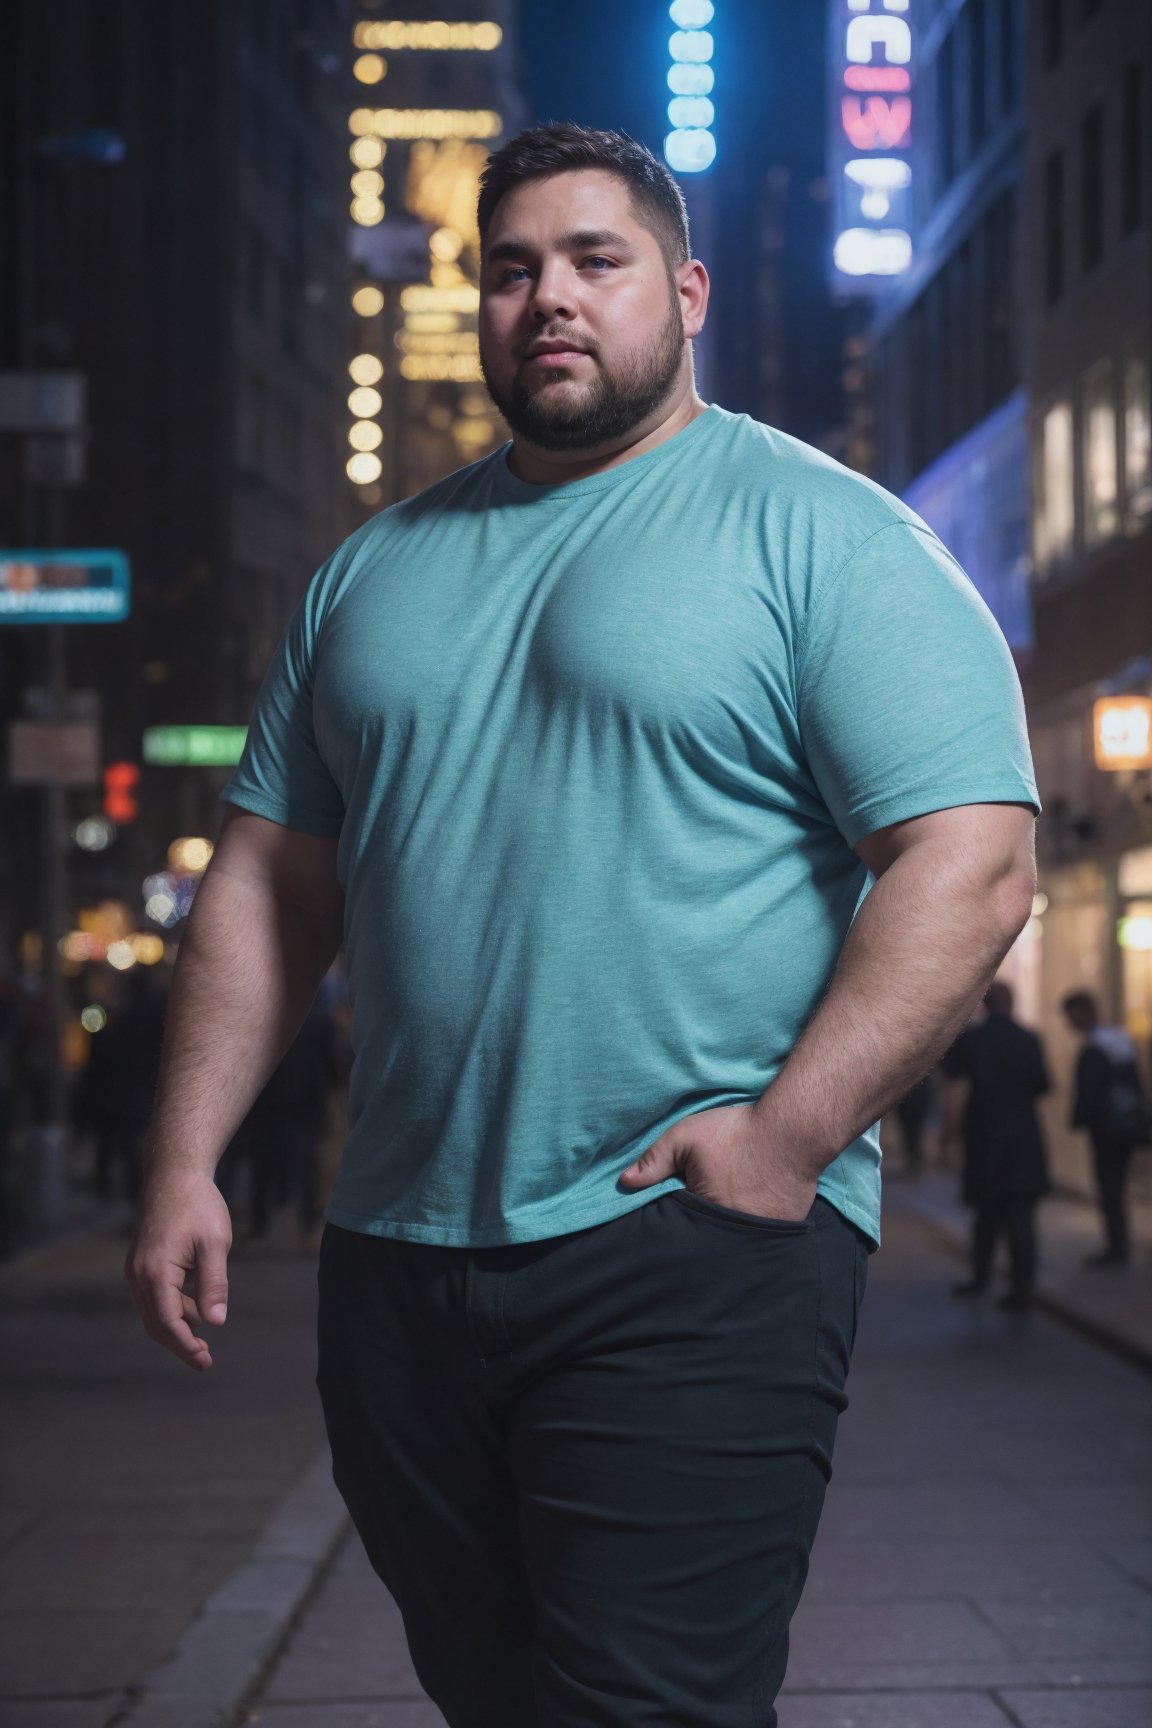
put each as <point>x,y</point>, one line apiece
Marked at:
<point>368,302</point>
<point>366,369</point>
<point>362,470</point>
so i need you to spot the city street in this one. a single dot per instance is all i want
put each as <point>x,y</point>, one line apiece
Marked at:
<point>985,1557</point>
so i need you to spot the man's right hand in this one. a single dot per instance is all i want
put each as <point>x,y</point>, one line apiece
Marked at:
<point>182,1236</point>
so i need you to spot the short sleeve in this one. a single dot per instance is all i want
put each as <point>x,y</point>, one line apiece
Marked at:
<point>908,698</point>
<point>281,774</point>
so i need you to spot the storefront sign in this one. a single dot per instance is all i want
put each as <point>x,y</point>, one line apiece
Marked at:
<point>63,587</point>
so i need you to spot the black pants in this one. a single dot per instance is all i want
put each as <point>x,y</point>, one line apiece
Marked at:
<point>1112,1159</point>
<point>590,1469</point>
<point>1016,1220</point>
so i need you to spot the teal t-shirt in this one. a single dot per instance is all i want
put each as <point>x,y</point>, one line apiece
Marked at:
<point>597,755</point>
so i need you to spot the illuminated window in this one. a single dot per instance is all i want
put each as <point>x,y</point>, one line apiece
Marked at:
<point>1056,500</point>
<point>1137,442</point>
<point>1101,511</point>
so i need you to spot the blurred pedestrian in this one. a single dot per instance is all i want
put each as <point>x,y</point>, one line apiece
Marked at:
<point>590,752</point>
<point>1005,1162</point>
<point>914,1112</point>
<point>114,1091</point>
<point>1111,1104</point>
<point>281,1137</point>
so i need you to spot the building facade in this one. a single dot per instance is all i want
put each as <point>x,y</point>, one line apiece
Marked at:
<point>1088,352</point>
<point>435,93</point>
<point>173,221</point>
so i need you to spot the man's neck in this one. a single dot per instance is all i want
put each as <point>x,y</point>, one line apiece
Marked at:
<point>556,467</point>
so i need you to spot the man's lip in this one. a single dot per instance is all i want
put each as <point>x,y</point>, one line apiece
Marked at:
<point>553,348</point>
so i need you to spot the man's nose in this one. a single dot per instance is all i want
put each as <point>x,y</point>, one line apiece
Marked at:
<point>555,296</point>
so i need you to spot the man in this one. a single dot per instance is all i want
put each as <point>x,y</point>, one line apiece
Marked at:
<point>1005,1166</point>
<point>595,744</point>
<point>1110,1103</point>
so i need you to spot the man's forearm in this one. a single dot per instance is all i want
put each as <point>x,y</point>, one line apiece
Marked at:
<point>921,951</point>
<point>243,983</point>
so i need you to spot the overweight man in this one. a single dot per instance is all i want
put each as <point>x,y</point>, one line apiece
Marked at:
<point>668,787</point>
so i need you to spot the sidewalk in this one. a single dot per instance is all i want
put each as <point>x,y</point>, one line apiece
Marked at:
<point>1114,1305</point>
<point>985,1559</point>
<point>133,1488</point>
<point>160,1530</point>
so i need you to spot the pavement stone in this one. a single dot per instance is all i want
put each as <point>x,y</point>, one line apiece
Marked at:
<point>1115,1625</point>
<point>70,1655</point>
<point>911,1567</point>
<point>1115,1708</point>
<point>893,1710</point>
<point>387,1715</point>
<point>75,1713</point>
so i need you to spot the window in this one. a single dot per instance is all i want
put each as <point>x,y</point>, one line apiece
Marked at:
<point>1101,489</point>
<point>1055,524</point>
<point>1053,32</point>
<point>1092,187</point>
<point>977,73</point>
<point>1131,148</point>
<point>1053,227</point>
<point>1137,443</point>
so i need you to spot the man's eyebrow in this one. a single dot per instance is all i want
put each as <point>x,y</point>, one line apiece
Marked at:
<point>580,239</point>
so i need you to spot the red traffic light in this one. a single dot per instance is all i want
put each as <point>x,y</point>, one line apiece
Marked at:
<point>120,782</point>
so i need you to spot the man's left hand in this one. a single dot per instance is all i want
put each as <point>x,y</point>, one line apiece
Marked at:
<point>722,1155</point>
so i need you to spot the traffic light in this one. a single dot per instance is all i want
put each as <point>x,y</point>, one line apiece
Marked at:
<point>120,782</point>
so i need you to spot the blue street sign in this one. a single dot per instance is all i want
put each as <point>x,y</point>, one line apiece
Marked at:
<point>80,587</point>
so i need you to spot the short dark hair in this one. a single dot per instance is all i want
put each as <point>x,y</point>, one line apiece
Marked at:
<point>1081,1002</point>
<point>562,148</point>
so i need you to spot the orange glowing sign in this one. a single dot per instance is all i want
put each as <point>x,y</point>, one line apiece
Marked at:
<point>1122,731</point>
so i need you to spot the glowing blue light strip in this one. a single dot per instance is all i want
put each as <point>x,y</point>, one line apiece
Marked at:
<point>690,147</point>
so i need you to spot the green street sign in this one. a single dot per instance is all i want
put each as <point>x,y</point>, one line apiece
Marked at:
<point>194,746</point>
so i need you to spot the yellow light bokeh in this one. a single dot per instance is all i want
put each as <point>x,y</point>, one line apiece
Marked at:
<point>369,69</point>
<point>367,211</point>
<point>121,956</point>
<point>431,122</point>
<point>148,948</point>
<point>360,121</point>
<point>190,855</point>
<point>368,152</point>
<point>364,435</point>
<point>453,368</point>
<point>454,342</point>
<point>446,245</point>
<point>421,298</point>
<point>364,402</point>
<point>367,183</point>
<point>397,33</point>
<point>368,302</point>
<point>442,321</point>
<point>365,369</point>
<point>363,469</point>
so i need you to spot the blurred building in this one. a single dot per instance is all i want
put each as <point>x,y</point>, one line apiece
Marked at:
<point>1088,294</point>
<point>436,93</point>
<point>173,222</point>
<point>944,343</point>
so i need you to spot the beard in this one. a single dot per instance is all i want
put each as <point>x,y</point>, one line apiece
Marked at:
<point>608,408</point>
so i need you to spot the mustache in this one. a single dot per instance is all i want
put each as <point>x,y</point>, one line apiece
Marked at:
<point>569,336</point>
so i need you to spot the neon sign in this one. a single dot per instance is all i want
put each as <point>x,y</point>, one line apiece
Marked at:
<point>870,133</point>
<point>690,147</point>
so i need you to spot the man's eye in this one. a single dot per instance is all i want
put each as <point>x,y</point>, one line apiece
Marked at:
<point>513,273</point>
<point>605,261</point>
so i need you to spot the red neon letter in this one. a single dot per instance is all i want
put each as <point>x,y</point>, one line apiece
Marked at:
<point>874,123</point>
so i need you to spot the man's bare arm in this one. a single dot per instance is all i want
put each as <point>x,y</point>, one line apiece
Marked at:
<point>264,929</point>
<point>953,890</point>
